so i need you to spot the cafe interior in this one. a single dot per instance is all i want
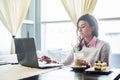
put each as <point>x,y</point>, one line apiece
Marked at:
<point>51,24</point>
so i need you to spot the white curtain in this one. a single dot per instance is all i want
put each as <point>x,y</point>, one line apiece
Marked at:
<point>12,14</point>
<point>76,8</point>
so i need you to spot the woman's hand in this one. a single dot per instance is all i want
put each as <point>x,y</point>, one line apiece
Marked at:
<point>81,62</point>
<point>46,59</point>
<point>84,63</point>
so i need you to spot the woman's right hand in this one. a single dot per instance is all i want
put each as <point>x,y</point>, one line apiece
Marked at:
<point>46,59</point>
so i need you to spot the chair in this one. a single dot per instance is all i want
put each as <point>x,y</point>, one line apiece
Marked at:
<point>114,60</point>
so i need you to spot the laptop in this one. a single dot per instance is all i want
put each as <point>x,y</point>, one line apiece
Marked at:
<point>26,54</point>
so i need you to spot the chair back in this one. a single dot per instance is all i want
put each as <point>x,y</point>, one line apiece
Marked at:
<point>114,60</point>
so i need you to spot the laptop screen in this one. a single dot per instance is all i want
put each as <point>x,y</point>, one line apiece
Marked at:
<point>26,52</point>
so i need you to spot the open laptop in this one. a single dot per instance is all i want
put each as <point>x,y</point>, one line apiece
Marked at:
<point>26,54</point>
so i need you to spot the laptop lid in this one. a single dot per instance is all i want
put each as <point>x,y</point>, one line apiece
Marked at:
<point>26,52</point>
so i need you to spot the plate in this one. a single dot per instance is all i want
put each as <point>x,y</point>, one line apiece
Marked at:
<point>79,68</point>
<point>92,71</point>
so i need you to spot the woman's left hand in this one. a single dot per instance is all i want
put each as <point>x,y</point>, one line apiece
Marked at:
<point>84,63</point>
<point>81,62</point>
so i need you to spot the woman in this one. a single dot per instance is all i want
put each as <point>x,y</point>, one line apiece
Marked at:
<point>89,46</point>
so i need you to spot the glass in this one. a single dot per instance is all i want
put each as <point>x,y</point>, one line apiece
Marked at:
<point>77,58</point>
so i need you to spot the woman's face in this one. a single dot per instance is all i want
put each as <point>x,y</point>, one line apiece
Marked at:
<point>84,29</point>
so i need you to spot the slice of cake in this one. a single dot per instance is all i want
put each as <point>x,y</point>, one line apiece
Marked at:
<point>100,66</point>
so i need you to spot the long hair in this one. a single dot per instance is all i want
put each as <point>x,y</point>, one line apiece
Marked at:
<point>92,22</point>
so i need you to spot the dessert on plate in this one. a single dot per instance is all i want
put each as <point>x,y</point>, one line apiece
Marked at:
<point>100,66</point>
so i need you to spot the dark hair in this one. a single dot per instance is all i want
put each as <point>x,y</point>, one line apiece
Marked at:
<point>92,22</point>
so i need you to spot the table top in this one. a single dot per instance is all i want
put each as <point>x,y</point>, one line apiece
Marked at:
<point>16,72</point>
<point>67,73</point>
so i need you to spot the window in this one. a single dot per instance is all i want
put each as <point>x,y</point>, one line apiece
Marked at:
<point>5,36</point>
<point>53,10</point>
<point>27,27</point>
<point>59,31</point>
<point>108,16</point>
<point>54,19</point>
<point>59,35</point>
